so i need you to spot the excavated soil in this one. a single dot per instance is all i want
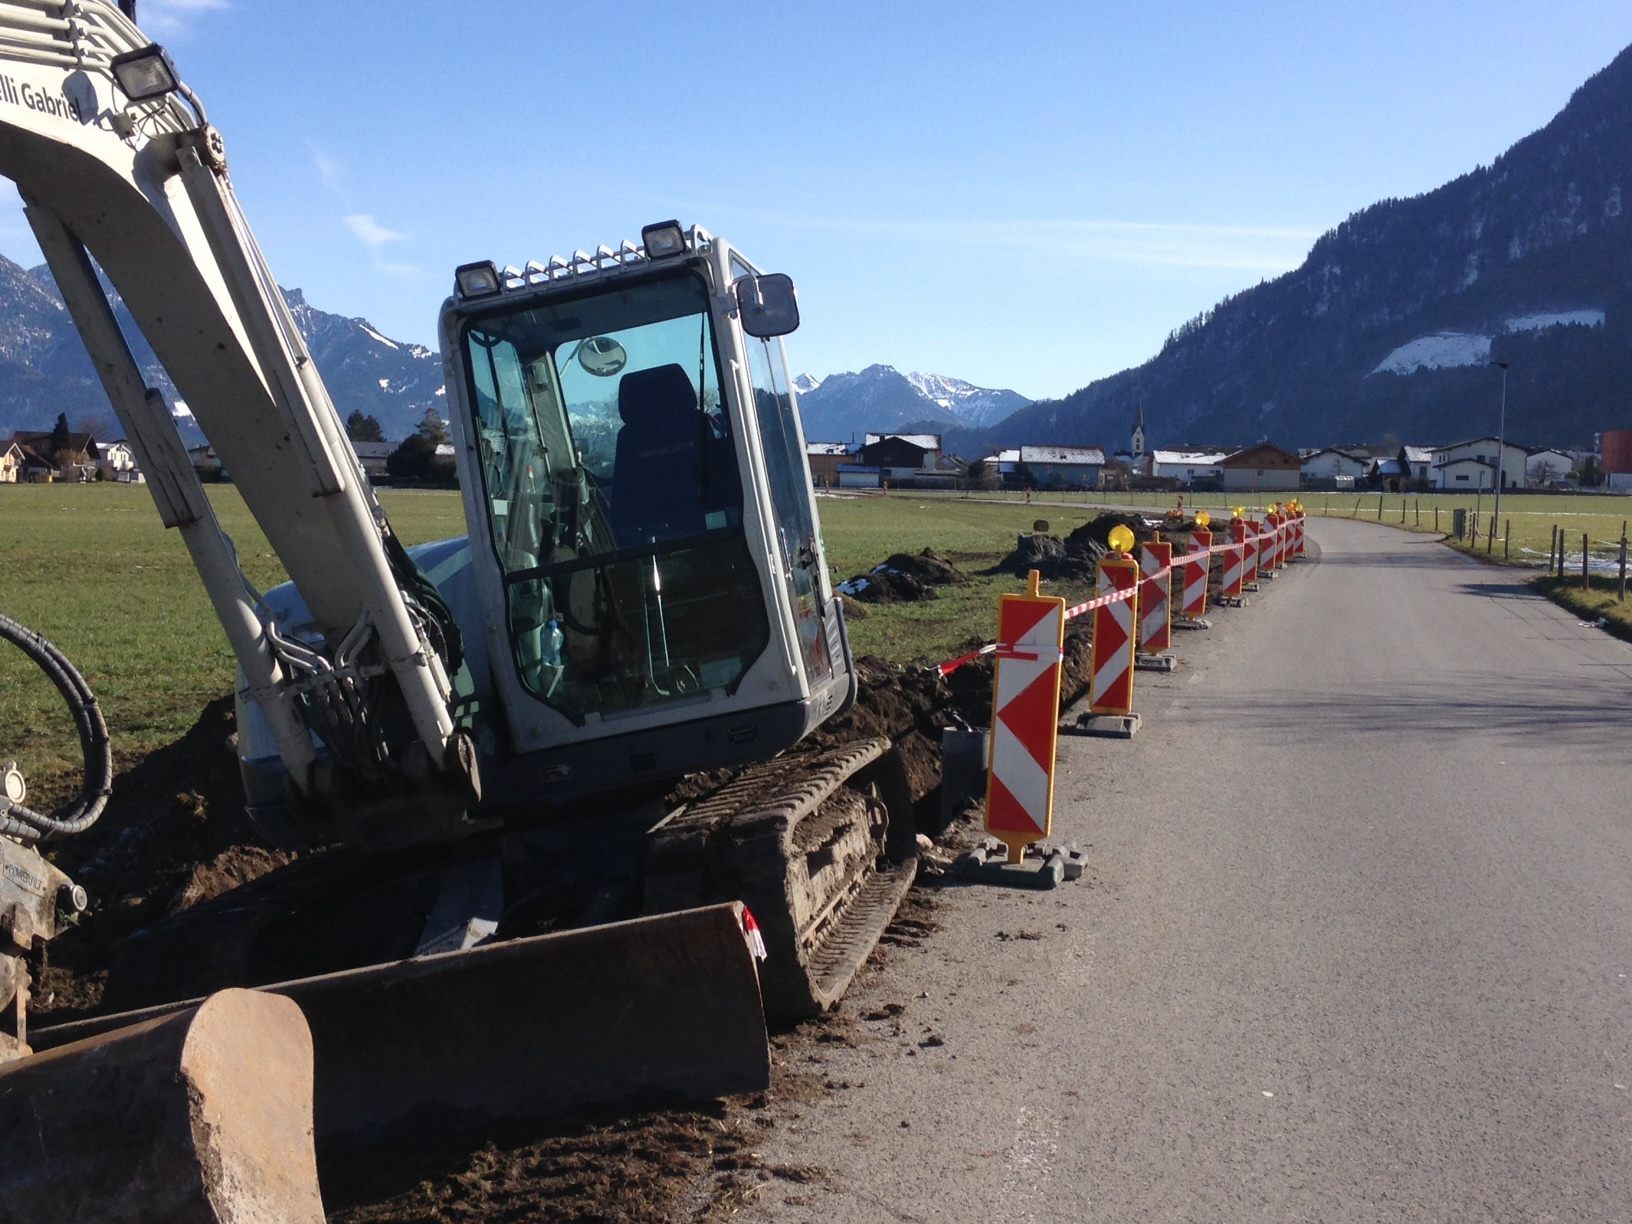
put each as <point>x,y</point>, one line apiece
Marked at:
<point>903,578</point>
<point>175,835</point>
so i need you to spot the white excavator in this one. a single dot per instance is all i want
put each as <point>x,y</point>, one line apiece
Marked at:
<point>505,908</point>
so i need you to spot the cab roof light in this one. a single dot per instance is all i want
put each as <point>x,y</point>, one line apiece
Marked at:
<point>145,73</point>
<point>474,280</point>
<point>663,240</point>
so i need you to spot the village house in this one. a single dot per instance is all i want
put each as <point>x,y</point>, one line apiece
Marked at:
<point>74,461</point>
<point>1191,468</point>
<point>372,455</point>
<point>1333,468</point>
<point>11,463</point>
<point>1263,467</point>
<point>897,460</point>
<point>1545,465</point>
<point>117,460</point>
<point>824,459</point>
<point>1062,467</point>
<point>1449,472</point>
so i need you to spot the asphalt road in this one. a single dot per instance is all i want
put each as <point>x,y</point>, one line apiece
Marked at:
<point>1355,943</point>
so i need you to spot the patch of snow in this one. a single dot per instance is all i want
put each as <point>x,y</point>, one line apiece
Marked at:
<point>441,390</point>
<point>806,383</point>
<point>1439,351</point>
<point>854,587</point>
<point>385,384</point>
<point>380,338</point>
<point>1612,202</point>
<point>1557,318</point>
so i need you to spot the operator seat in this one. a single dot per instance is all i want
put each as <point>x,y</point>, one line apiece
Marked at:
<point>660,485</point>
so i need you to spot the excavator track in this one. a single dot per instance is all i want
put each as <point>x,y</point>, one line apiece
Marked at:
<point>820,847</point>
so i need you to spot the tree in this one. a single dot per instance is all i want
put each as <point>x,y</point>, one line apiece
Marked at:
<point>361,427</point>
<point>433,428</point>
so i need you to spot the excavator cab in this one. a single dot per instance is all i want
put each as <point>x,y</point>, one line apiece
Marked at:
<point>634,478</point>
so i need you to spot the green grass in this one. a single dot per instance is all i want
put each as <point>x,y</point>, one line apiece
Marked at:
<point>1600,599</point>
<point>861,532</point>
<point>91,568</point>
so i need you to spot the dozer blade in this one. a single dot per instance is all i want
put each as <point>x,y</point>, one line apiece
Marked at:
<point>654,1010</point>
<point>201,1117</point>
<point>822,848</point>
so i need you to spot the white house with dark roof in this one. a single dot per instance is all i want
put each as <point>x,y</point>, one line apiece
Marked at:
<point>1482,450</point>
<point>1331,464</point>
<point>1544,465</point>
<point>1187,466</point>
<point>1062,467</point>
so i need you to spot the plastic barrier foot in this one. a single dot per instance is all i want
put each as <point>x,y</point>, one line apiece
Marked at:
<point>1104,726</point>
<point>1266,574</point>
<point>1229,601</point>
<point>1249,586</point>
<point>1043,866</point>
<point>1166,661</point>
<point>1192,622</point>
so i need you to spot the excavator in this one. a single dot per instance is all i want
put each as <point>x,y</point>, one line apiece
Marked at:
<point>555,849</point>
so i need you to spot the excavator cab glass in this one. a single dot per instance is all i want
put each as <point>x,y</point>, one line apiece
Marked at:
<point>614,497</point>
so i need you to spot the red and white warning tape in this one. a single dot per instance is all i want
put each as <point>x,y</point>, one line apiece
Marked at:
<point>952,665</point>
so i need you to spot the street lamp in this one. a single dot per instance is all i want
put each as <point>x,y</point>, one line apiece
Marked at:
<point>1501,443</point>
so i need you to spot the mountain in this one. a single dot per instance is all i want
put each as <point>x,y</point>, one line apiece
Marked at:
<point>881,398</point>
<point>44,368</point>
<point>1390,323</point>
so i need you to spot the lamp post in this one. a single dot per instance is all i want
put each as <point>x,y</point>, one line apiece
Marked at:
<point>1501,441</point>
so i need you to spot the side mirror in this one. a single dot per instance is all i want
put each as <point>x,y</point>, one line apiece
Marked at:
<point>768,305</point>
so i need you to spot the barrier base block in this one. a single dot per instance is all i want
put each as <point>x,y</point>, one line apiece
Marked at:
<point>1270,575</point>
<point>1229,601</point>
<point>1192,622</point>
<point>1044,866</point>
<point>1164,662</point>
<point>1250,586</point>
<point>1104,726</point>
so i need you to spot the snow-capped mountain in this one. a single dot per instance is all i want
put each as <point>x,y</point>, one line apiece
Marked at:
<point>881,398</point>
<point>44,368</point>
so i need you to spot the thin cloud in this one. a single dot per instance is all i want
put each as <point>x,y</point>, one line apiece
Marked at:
<point>370,232</point>
<point>328,170</point>
<point>1252,248</point>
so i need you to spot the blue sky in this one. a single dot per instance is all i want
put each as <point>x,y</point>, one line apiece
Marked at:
<point>1022,194</point>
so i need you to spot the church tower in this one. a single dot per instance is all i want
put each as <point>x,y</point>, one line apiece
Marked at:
<point>1138,448</point>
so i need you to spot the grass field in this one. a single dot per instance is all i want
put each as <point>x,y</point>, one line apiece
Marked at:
<point>90,567</point>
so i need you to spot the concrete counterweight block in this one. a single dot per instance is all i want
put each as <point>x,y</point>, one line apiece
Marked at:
<point>204,1115</point>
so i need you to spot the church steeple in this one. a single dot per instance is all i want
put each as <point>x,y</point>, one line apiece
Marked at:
<point>1138,448</point>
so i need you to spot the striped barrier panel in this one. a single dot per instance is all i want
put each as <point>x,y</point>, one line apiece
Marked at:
<point>1249,532</point>
<point>1110,685</point>
<point>1193,574</point>
<point>1155,591</point>
<point>1025,718</point>
<point>1235,569</point>
<point>1297,533</point>
<point>1274,545</point>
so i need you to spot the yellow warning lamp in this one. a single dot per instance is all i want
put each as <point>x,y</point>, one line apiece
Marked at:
<point>1120,540</point>
<point>1239,512</point>
<point>1203,518</point>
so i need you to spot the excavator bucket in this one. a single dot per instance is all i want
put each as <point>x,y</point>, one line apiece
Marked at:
<point>197,1117</point>
<point>655,1010</point>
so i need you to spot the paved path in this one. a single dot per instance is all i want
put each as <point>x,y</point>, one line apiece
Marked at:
<point>1355,944</point>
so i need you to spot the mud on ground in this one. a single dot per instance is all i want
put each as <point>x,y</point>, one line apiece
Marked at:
<point>175,835</point>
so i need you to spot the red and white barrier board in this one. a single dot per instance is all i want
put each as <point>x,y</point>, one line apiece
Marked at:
<point>1155,588</point>
<point>1193,575</point>
<point>1110,688</point>
<point>1251,530</point>
<point>1025,718</point>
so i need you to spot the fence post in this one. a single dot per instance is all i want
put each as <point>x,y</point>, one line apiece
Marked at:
<point>1436,518</point>
<point>1623,565</point>
<point>1490,537</point>
<point>1561,553</point>
<point>1419,512</point>
<point>1552,550</point>
<point>1507,540</point>
<point>1379,507</point>
<point>1585,548</point>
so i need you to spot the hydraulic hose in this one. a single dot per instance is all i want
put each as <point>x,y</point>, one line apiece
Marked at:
<point>23,823</point>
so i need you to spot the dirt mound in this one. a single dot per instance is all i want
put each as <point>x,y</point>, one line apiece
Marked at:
<point>174,835</point>
<point>904,578</point>
<point>1092,539</point>
<point>1047,555</point>
<point>883,586</point>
